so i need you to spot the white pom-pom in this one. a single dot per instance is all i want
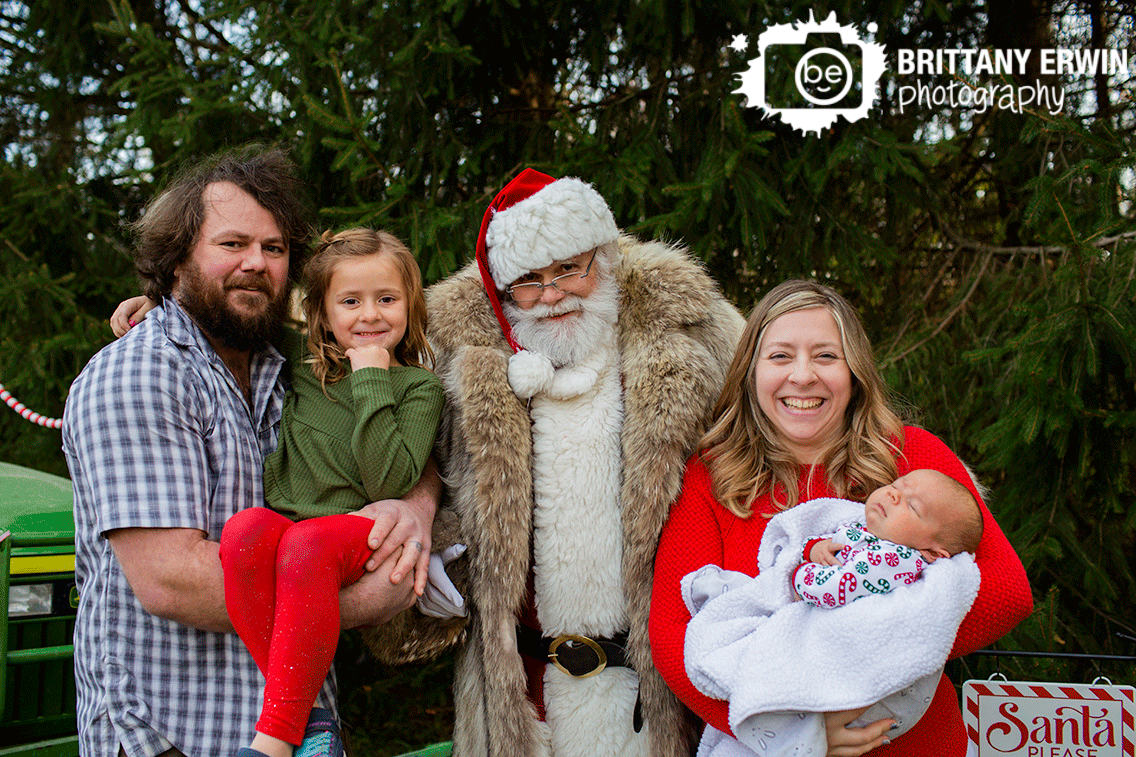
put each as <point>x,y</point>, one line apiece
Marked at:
<point>529,373</point>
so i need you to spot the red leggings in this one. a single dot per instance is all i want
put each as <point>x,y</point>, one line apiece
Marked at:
<point>282,582</point>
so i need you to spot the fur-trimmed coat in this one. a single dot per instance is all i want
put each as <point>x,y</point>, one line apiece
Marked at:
<point>676,336</point>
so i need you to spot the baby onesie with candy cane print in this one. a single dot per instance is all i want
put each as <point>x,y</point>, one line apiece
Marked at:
<point>869,565</point>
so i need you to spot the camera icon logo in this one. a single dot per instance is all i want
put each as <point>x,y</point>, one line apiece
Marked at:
<point>820,73</point>
<point>811,73</point>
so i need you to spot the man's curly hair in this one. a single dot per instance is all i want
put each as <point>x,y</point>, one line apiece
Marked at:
<point>171,223</point>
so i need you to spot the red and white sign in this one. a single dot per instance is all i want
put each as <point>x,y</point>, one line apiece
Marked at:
<point>1023,719</point>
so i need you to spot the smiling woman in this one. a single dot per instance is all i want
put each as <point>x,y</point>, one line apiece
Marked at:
<point>802,381</point>
<point>804,415</point>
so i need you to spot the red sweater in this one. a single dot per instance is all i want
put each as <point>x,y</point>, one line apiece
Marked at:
<point>700,531</point>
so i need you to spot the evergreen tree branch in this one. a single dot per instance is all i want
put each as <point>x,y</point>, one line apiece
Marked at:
<point>977,246</point>
<point>223,44</point>
<point>360,140</point>
<point>951,315</point>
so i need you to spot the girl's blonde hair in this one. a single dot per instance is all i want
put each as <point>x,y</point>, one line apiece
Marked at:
<point>328,361</point>
<point>744,452</point>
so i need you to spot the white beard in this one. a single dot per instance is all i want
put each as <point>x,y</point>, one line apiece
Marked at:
<point>572,340</point>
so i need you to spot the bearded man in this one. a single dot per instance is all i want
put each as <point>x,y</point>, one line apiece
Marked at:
<point>580,368</point>
<point>165,433</point>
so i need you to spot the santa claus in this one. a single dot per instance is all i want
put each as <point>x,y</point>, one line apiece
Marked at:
<point>580,368</point>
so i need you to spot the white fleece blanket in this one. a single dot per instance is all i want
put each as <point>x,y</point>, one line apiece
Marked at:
<point>768,656</point>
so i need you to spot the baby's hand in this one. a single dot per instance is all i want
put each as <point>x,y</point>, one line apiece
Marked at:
<point>371,356</point>
<point>825,552</point>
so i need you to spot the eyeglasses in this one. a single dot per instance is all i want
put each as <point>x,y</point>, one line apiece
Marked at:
<point>568,283</point>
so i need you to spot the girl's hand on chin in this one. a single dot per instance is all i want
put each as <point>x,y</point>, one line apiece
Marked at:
<point>371,356</point>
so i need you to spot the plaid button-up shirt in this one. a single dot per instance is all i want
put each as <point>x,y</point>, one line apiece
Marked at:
<point>158,435</point>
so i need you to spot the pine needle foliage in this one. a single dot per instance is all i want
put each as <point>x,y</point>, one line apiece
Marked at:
<point>992,254</point>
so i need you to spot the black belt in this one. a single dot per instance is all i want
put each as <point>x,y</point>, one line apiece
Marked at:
<point>578,656</point>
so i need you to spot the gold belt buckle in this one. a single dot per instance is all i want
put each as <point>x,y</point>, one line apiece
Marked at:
<point>601,656</point>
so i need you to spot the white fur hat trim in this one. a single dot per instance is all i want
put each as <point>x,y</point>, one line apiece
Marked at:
<point>529,373</point>
<point>562,220</point>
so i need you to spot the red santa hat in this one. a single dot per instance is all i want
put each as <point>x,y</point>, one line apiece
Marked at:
<point>533,222</point>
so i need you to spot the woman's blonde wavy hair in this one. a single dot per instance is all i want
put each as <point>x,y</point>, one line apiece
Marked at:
<point>328,361</point>
<point>744,452</point>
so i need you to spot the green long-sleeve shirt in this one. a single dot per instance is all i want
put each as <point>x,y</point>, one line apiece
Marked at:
<point>369,441</point>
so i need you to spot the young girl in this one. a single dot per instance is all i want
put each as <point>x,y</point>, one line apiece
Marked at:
<point>358,426</point>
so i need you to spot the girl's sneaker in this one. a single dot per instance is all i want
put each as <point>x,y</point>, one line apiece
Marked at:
<point>321,737</point>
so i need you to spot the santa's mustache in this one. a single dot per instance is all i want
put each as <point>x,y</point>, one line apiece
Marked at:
<point>570,304</point>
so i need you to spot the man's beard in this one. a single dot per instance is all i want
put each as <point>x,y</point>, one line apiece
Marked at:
<point>570,341</point>
<point>208,304</point>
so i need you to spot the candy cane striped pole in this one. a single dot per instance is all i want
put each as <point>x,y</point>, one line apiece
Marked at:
<point>26,412</point>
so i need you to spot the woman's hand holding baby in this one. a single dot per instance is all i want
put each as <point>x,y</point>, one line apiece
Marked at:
<point>845,741</point>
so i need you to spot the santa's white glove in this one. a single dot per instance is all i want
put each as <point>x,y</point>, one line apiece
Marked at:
<point>441,599</point>
<point>529,373</point>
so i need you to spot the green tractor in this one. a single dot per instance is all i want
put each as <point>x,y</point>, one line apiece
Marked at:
<point>37,585</point>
